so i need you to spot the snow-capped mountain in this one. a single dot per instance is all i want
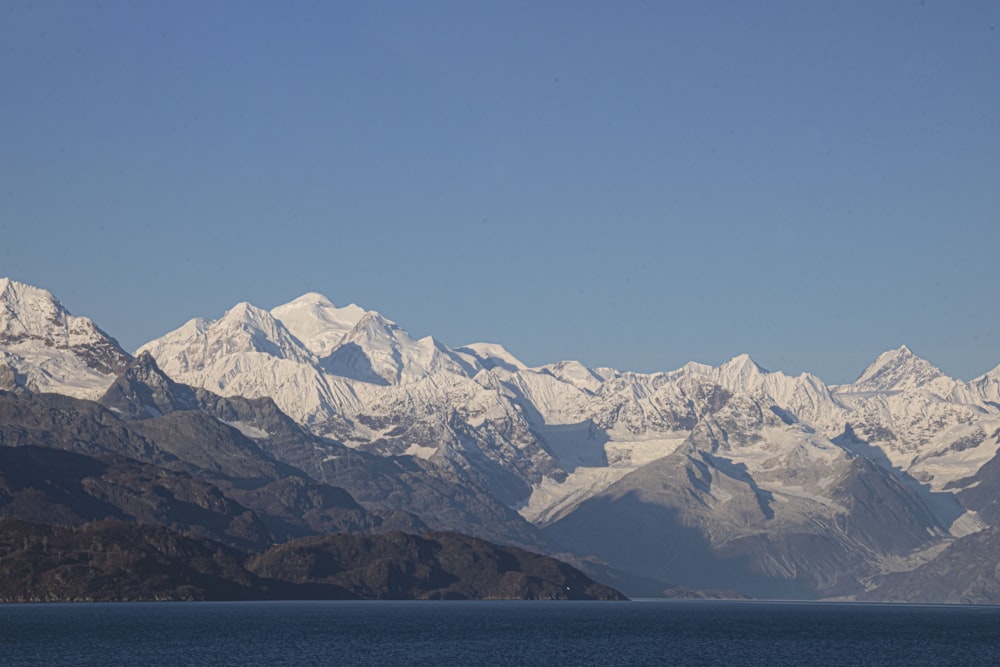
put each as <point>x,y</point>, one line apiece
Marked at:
<point>489,356</point>
<point>911,416</point>
<point>46,349</point>
<point>377,350</point>
<point>987,387</point>
<point>317,323</point>
<point>896,370</point>
<point>364,380</point>
<point>244,329</point>
<point>377,389</point>
<point>247,352</point>
<point>770,477</point>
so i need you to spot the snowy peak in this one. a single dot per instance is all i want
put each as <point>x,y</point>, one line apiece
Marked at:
<point>372,326</point>
<point>896,370</point>
<point>805,397</point>
<point>246,328</point>
<point>573,373</point>
<point>32,313</point>
<point>987,386</point>
<point>45,348</point>
<point>29,312</point>
<point>492,355</point>
<point>370,351</point>
<point>317,322</point>
<point>377,334</point>
<point>376,350</point>
<point>243,330</point>
<point>741,373</point>
<point>309,300</point>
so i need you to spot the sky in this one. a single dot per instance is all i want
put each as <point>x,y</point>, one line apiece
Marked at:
<point>629,184</point>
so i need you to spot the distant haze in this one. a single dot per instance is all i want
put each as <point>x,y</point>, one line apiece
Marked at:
<point>633,185</point>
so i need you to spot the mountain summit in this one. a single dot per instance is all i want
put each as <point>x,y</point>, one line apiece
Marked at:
<point>317,322</point>
<point>49,349</point>
<point>896,370</point>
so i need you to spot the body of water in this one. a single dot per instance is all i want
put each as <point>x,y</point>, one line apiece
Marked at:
<point>497,633</point>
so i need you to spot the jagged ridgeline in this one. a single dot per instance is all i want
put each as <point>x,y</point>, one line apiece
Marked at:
<point>315,419</point>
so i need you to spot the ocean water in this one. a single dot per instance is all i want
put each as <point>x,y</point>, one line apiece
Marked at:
<point>497,633</point>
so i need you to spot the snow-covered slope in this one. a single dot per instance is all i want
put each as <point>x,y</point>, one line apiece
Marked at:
<point>490,355</point>
<point>987,387</point>
<point>46,349</point>
<point>377,350</point>
<point>804,398</point>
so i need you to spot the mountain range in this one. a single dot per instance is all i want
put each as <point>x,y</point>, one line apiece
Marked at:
<point>730,477</point>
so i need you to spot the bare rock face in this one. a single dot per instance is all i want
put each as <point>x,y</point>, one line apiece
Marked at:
<point>142,390</point>
<point>8,378</point>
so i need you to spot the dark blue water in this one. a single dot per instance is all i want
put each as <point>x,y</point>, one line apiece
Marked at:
<point>497,633</point>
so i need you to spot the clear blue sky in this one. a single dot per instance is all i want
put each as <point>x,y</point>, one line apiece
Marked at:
<point>630,184</point>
